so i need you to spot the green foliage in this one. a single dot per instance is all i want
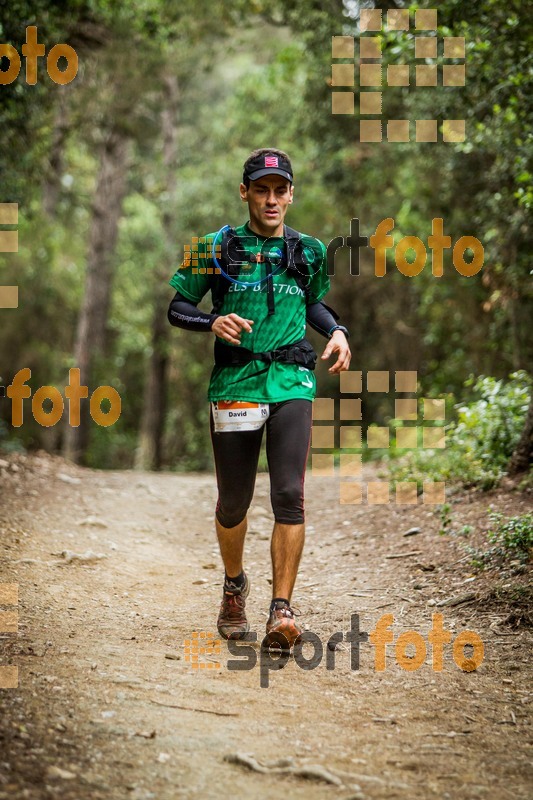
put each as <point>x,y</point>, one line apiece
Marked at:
<point>511,537</point>
<point>489,428</point>
<point>514,534</point>
<point>480,442</point>
<point>445,517</point>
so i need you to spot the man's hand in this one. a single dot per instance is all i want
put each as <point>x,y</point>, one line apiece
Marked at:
<point>338,344</point>
<point>229,327</point>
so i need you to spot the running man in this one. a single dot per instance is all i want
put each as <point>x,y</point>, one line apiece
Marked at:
<point>266,281</point>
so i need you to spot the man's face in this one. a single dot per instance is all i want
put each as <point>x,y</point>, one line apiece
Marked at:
<point>268,198</point>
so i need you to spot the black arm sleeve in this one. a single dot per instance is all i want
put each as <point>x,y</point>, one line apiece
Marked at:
<point>321,317</point>
<point>183,313</point>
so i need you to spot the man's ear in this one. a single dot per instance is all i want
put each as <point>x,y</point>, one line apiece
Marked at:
<point>243,191</point>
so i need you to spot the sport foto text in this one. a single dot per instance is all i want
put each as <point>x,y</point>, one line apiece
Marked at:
<point>74,392</point>
<point>32,50</point>
<point>380,242</point>
<point>379,637</point>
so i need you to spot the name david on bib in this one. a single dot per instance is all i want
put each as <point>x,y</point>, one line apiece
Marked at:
<point>239,415</point>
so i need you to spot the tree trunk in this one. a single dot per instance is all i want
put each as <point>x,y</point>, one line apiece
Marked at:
<point>149,453</point>
<point>52,180</point>
<point>523,454</point>
<point>92,322</point>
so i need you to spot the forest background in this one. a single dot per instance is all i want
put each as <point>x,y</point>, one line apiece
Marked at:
<point>117,170</point>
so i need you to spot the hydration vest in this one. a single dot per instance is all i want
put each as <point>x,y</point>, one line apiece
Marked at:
<point>233,255</point>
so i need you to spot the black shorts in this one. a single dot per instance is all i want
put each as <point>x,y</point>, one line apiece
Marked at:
<point>288,434</point>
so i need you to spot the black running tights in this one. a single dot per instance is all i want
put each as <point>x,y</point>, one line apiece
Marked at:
<point>288,432</point>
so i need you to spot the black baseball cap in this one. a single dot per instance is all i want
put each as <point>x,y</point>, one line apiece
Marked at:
<point>268,164</point>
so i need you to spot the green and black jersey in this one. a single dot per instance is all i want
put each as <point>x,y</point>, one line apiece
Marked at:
<point>257,382</point>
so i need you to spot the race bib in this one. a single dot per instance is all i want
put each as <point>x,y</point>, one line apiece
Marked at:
<point>239,415</point>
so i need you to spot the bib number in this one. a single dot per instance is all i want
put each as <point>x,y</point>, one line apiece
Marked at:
<point>239,415</point>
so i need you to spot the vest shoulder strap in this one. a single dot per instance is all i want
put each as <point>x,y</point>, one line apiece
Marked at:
<point>297,263</point>
<point>219,283</point>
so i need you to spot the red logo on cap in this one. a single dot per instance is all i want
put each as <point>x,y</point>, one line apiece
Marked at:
<point>271,161</point>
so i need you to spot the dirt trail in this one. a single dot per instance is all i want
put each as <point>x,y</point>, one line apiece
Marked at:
<point>101,657</point>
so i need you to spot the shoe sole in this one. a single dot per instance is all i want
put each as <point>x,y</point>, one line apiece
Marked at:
<point>240,634</point>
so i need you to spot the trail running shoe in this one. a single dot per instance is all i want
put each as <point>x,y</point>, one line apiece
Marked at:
<point>282,630</point>
<point>232,622</point>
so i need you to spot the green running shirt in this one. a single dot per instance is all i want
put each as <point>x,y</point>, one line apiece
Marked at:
<point>255,382</point>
